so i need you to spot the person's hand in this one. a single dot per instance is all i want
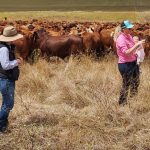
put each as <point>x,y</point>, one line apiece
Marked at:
<point>19,60</point>
<point>141,42</point>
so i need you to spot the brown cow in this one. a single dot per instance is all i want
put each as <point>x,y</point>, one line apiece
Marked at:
<point>24,46</point>
<point>91,43</point>
<point>60,46</point>
<point>107,40</point>
<point>147,41</point>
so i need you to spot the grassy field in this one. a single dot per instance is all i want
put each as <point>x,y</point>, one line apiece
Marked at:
<point>74,106</point>
<point>77,10</point>
<point>65,5</point>
<point>78,16</point>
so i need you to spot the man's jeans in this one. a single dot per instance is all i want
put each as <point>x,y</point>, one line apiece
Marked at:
<point>7,89</point>
<point>130,75</point>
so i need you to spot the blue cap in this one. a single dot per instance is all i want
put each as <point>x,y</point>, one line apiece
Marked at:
<point>127,24</point>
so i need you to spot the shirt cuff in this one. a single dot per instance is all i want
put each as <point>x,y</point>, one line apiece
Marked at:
<point>15,63</point>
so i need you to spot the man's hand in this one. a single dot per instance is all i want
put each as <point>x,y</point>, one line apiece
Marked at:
<point>19,60</point>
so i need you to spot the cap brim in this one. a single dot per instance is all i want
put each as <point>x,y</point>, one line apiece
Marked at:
<point>9,39</point>
<point>130,26</point>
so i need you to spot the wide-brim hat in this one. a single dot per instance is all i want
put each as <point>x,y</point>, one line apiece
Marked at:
<point>127,24</point>
<point>10,34</point>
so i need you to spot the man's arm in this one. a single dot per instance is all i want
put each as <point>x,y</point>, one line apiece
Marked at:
<point>4,59</point>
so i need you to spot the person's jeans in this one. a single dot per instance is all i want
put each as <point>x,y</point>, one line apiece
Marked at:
<point>7,89</point>
<point>130,75</point>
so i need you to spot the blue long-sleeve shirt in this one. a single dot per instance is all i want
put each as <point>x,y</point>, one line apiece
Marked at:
<point>4,59</point>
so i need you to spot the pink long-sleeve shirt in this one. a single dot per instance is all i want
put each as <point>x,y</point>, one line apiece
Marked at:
<point>123,43</point>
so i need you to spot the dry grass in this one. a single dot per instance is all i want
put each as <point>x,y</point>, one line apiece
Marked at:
<point>73,106</point>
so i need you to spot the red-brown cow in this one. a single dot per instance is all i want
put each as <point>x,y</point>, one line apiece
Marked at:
<point>107,40</point>
<point>91,43</point>
<point>24,46</point>
<point>60,46</point>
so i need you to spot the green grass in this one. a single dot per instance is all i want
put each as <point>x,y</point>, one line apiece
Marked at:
<point>65,5</point>
<point>78,16</point>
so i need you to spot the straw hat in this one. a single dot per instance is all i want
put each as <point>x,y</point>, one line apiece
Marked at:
<point>10,34</point>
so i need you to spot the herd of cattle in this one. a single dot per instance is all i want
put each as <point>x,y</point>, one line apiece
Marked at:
<point>65,38</point>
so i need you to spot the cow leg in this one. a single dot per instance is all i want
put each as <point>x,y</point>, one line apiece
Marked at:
<point>101,52</point>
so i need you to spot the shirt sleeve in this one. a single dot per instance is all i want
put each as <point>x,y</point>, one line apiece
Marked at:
<point>4,59</point>
<point>122,45</point>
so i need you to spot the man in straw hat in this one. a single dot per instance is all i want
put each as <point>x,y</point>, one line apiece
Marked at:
<point>9,73</point>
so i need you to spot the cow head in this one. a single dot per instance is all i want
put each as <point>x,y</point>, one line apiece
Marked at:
<point>37,37</point>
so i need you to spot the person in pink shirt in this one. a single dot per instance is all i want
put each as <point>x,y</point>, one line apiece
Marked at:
<point>128,68</point>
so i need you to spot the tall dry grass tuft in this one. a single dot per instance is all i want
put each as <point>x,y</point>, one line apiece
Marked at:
<point>74,106</point>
